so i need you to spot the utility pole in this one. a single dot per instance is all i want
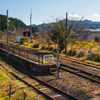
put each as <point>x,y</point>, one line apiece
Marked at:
<point>66,35</point>
<point>7,38</point>
<point>57,57</point>
<point>30,25</point>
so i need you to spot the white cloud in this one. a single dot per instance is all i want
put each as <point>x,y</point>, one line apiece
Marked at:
<point>95,14</point>
<point>64,16</point>
<point>75,16</point>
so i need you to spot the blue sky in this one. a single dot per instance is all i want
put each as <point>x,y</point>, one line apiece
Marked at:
<point>43,10</point>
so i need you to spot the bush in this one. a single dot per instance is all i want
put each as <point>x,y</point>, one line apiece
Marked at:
<point>51,48</point>
<point>72,53</point>
<point>31,41</point>
<point>36,45</point>
<point>81,53</point>
<point>95,57</point>
<point>55,49</point>
<point>44,46</point>
<point>22,40</point>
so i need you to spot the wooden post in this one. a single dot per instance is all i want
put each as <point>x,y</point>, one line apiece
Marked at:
<point>24,45</point>
<point>9,91</point>
<point>13,49</point>
<point>24,95</point>
<point>27,54</point>
<point>19,51</point>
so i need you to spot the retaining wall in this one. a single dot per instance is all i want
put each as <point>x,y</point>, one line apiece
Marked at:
<point>34,66</point>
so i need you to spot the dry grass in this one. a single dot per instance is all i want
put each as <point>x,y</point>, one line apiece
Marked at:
<point>17,88</point>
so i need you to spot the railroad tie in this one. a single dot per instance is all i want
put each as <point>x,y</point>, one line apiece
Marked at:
<point>42,89</point>
<point>78,71</point>
<point>57,95</point>
<point>25,76</point>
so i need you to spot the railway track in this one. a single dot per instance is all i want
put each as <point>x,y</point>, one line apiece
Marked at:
<point>81,62</point>
<point>82,73</point>
<point>68,59</point>
<point>44,88</point>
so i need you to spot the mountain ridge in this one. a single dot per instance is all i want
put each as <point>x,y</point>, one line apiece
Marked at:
<point>89,24</point>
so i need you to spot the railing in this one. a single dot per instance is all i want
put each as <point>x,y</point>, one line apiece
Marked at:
<point>32,55</point>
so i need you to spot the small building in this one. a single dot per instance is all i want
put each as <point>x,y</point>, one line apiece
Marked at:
<point>18,38</point>
<point>89,34</point>
<point>94,33</point>
<point>97,39</point>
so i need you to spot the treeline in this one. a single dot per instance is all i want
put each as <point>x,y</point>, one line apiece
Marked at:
<point>13,24</point>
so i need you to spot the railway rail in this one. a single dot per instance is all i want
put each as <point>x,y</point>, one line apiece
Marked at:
<point>81,62</point>
<point>48,90</point>
<point>62,57</point>
<point>82,73</point>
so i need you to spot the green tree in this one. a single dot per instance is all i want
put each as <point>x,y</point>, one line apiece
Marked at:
<point>58,30</point>
<point>14,23</point>
<point>35,29</point>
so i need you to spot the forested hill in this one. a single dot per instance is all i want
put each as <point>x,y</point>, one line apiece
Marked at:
<point>14,23</point>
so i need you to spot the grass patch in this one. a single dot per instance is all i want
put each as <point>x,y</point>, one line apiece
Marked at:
<point>17,87</point>
<point>94,57</point>
<point>81,90</point>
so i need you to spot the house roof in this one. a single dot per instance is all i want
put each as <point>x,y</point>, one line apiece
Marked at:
<point>89,30</point>
<point>12,31</point>
<point>96,30</point>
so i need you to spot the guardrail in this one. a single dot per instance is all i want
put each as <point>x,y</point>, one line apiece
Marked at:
<point>32,55</point>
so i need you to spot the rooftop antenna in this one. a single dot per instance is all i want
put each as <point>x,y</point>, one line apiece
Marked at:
<point>30,25</point>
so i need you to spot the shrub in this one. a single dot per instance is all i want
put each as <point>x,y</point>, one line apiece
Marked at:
<point>36,45</point>
<point>44,46</point>
<point>22,40</point>
<point>31,41</point>
<point>81,53</point>
<point>51,48</point>
<point>55,49</point>
<point>95,57</point>
<point>72,53</point>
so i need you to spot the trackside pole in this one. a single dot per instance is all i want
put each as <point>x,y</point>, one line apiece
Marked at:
<point>7,38</point>
<point>24,45</point>
<point>57,57</point>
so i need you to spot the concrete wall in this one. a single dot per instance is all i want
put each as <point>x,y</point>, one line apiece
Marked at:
<point>93,35</point>
<point>18,38</point>
<point>30,65</point>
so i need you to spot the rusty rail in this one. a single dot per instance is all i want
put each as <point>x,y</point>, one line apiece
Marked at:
<point>56,89</point>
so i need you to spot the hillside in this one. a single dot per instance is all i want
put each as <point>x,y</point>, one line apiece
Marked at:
<point>86,24</point>
<point>14,23</point>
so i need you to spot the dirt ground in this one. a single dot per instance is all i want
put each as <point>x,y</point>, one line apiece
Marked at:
<point>74,85</point>
<point>77,86</point>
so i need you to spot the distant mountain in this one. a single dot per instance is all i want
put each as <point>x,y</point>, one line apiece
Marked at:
<point>13,24</point>
<point>33,25</point>
<point>92,24</point>
<point>86,23</point>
